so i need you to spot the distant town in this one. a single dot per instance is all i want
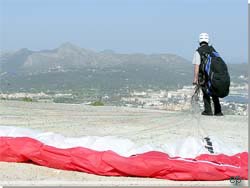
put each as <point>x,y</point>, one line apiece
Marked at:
<point>174,100</point>
<point>180,100</point>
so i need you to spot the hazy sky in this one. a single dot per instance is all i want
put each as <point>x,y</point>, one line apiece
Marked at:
<point>126,26</point>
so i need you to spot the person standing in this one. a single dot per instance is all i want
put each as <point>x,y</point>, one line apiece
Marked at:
<point>201,79</point>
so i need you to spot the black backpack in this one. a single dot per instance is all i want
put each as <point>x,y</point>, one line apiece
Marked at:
<point>213,72</point>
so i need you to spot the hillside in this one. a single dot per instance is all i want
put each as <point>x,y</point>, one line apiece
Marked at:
<point>70,67</point>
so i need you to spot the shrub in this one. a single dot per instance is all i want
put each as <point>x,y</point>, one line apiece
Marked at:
<point>27,99</point>
<point>97,103</point>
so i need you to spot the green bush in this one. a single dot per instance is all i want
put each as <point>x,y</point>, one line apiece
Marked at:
<point>97,103</point>
<point>27,99</point>
<point>64,100</point>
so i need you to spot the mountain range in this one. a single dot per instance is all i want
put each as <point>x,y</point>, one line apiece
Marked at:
<point>72,67</point>
<point>68,56</point>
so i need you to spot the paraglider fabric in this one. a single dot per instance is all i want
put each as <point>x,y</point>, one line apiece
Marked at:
<point>153,164</point>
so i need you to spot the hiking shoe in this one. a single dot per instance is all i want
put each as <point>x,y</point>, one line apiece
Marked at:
<point>219,114</point>
<point>207,113</point>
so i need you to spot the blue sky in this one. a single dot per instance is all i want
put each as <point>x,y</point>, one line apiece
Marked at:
<point>126,26</point>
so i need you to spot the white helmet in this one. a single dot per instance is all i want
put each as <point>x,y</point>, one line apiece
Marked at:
<point>204,37</point>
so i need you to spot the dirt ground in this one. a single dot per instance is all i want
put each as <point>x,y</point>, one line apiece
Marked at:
<point>142,126</point>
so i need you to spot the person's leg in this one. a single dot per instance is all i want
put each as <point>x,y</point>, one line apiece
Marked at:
<point>207,104</point>
<point>217,106</point>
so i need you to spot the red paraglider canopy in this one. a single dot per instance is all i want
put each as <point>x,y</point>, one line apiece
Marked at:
<point>153,164</point>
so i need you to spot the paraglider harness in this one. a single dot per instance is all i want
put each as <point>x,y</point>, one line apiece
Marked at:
<point>213,75</point>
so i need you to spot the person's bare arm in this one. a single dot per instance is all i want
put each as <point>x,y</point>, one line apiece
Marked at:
<point>196,63</point>
<point>196,73</point>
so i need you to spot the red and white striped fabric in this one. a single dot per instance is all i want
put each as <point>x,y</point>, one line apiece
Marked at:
<point>112,156</point>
